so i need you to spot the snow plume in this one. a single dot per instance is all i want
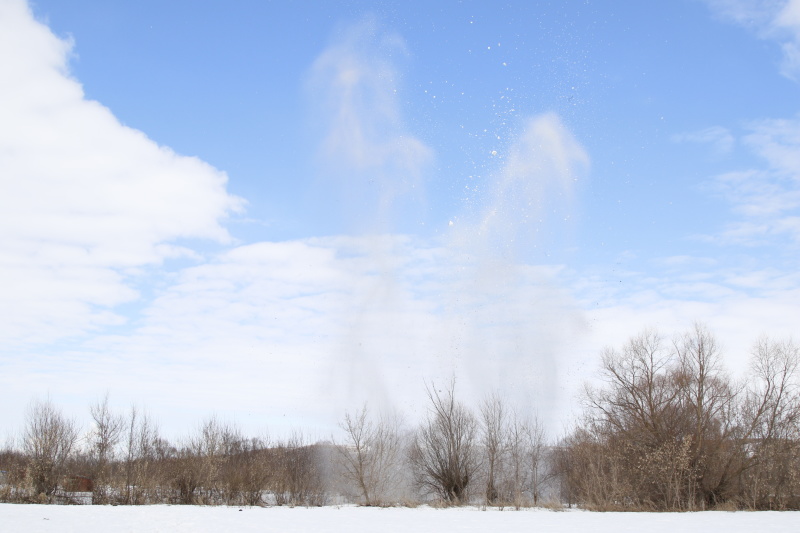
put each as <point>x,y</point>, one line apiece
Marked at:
<point>475,304</point>
<point>514,322</point>
<point>534,186</point>
<point>366,155</point>
<point>472,305</point>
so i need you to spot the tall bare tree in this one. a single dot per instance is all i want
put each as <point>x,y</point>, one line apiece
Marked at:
<point>103,440</point>
<point>770,428</point>
<point>707,405</point>
<point>535,455</point>
<point>493,439</point>
<point>371,454</point>
<point>444,452</point>
<point>143,449</point>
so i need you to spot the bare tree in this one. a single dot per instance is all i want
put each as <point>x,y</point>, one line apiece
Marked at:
<point>534,452</point>
<point>707,404</point>
<point>639,396</point>
<point>106,434</point>
<point>443,452</point>
<point>493,440</point>
<point>773,399</point>
<point>770,428</point>
<point>49,440</point>
<point>518,446</point>
<point>143,450</point>
<point>370,456</point>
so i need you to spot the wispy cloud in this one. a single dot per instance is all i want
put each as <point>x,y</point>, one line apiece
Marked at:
<point>778,142</point>
<point>720,139</point>
<point>776,20</point>
<point>766,199</point>
<point>84,201</point>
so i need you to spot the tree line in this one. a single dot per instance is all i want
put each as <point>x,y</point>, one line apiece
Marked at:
<point>666,429</point>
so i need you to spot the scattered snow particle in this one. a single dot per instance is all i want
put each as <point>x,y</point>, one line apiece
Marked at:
<point>494,152</point>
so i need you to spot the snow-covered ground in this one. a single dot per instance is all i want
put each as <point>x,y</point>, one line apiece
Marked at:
<point>348,519</point>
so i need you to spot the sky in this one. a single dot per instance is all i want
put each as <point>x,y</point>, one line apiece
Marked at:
<point>274,212</point>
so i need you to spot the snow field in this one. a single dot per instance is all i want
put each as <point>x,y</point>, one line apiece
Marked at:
<point>350,519</point>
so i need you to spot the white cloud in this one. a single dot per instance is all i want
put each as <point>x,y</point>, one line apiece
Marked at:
<point>84,201</point>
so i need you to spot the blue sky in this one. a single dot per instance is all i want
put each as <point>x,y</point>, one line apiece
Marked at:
<point>274,211</point>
